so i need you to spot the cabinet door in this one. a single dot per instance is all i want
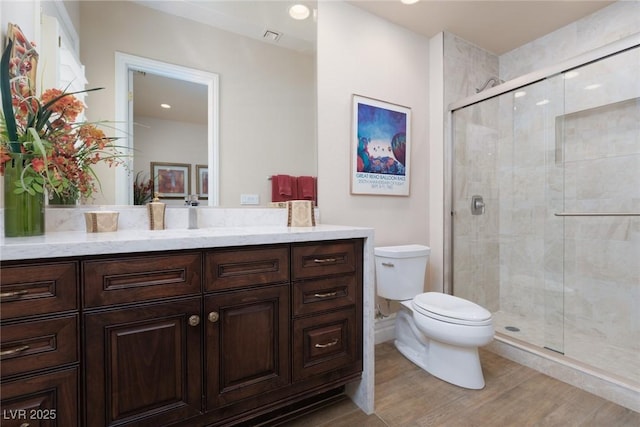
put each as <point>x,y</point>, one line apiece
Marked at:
<point>247,343</point>
<point>49,400</point>
<point>143,364</point>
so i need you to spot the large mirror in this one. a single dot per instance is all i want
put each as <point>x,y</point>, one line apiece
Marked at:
<point>266,123</point>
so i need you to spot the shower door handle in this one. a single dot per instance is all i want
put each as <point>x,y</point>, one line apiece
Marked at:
<point>477,205</point>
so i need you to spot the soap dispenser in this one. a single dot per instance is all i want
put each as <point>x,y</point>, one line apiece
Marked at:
<point>156,211</point>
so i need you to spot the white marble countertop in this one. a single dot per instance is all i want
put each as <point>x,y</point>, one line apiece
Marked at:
<point>80,243</point>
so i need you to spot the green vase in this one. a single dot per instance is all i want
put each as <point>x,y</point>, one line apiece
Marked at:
<point>23,213</point>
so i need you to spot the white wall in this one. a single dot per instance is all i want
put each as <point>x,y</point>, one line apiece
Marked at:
<point>24,14</point>
<point>359,53</point>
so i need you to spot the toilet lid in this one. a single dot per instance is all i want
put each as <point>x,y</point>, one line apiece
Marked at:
<point>450,307</point>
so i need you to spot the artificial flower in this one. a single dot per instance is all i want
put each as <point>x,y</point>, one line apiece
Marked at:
<point>59,150</point>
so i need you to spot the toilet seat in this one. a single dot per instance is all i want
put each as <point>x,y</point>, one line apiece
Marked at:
<point>448,308</point>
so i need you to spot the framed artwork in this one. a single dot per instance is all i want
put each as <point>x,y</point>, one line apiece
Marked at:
<point>380,147</point>
<point>171,180</point>
<point>202,181</point>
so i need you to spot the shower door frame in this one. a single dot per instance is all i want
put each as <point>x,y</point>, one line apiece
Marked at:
<point>598,54</point>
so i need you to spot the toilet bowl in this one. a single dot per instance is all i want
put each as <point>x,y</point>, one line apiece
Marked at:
<point>438,332</point>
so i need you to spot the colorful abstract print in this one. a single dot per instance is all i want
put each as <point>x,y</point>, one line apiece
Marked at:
<point>382,140</point>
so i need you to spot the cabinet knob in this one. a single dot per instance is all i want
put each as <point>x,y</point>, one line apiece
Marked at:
<point>194,320</point>
<point>213,317</point>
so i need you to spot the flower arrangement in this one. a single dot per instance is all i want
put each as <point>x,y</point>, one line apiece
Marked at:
<point>59,152</point>
<point>142,189</point>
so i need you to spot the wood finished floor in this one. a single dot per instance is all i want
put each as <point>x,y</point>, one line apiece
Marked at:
<point>514,395</point>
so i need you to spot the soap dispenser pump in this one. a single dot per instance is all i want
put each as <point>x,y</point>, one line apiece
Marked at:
<point>156,210</point>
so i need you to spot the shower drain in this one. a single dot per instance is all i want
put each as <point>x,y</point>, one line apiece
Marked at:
<point>512,329</point>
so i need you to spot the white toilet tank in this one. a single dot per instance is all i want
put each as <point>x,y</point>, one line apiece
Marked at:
<point>400,271</point>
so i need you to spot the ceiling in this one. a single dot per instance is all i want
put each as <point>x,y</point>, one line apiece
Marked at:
<point>496,26</point>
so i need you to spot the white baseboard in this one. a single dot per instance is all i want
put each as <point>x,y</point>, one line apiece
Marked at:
<point>384,329</point>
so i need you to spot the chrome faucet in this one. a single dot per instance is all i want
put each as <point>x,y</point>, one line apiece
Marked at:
<point>192,203</point>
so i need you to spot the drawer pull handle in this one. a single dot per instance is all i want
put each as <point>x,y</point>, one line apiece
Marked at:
<point>326,295</point>
<point>324,260</point>
<point>4,295</point>
<point>194,320</point>
<point>213,317</point>
<point>388,264</point>
<point>14,350</point>
<point>329,344</point>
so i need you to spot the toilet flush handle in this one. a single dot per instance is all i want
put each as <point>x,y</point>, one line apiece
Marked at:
<point>388,264</point>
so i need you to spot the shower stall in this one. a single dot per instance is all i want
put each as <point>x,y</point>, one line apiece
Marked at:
<point>545,210</point>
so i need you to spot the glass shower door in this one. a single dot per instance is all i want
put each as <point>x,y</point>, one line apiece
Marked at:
<point>509,257</point>
<point>600,137</point>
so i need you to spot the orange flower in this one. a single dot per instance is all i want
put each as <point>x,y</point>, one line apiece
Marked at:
<point>62,150</point>
<point>68,107</point>
<point>38,164</point>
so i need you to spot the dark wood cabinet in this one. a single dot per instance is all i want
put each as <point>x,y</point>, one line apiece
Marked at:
<point>143,361</point>
<point>48,399</point>
<point>247,344</point>
<point>143,364</point>
<point>39,346</point>
<point>185,338</point>
<point>327,308</point>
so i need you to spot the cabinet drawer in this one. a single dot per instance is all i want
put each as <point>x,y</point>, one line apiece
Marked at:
<point>132,279</point>
<point>312,296</point>
<point>34,289</point>
<point>42,400</point>
<point>227,269</point>
<point>323,259</point>
<point>28,346</point>
<point>325,343</point>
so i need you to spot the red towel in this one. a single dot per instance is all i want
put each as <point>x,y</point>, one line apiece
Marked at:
<point>307,187</point>
<point>283,188</point>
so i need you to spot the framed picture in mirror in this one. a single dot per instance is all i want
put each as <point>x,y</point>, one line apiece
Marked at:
<point>171,180</point>
<point>202,181</point>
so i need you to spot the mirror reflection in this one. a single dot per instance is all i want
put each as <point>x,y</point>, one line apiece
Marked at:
<point>267,100</point>
<point>166,110</point>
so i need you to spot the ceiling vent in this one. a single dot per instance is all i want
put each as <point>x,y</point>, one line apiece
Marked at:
<point>272,36</point>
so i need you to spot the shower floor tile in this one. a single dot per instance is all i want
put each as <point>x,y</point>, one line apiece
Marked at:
<point>620,363</point>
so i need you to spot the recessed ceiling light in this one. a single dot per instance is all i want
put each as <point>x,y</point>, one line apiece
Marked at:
<point>519,94</point>
<point>409,1</point>
<point>167,106</point>
<point>593,86</point>
<point>299,12</point>
<point>543,102</point>
<point>570,74</point>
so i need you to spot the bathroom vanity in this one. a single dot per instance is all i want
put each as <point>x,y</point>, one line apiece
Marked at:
<point>183,327</point>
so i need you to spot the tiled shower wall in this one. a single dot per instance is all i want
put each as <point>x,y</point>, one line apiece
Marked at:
<point>475,251</point>
<point>530,161</point>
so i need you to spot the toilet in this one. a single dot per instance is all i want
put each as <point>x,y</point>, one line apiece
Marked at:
<point>438,332</point>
